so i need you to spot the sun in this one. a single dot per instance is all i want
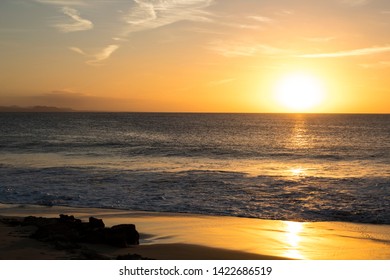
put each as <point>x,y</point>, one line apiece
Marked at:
<point>299,92</point>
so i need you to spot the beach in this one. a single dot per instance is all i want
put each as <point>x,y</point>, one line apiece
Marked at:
<point>171,236</point>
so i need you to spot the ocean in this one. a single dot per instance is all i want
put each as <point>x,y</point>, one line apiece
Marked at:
<point>309,167</point>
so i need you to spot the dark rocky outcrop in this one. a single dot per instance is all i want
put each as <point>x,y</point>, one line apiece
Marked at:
<point>122,235</point>
<point>72,235</point>
<point>66,230</point>
<point>96,223</point>
<point>34,109</point>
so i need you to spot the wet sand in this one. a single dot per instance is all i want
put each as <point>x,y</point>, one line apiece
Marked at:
<point>173,236</point>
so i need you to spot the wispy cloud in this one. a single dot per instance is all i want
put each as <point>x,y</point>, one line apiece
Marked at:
<point>236,49</point>
<point>239,25</point>
<point>119,39</point>
<point>96,58</point>
<point>77,50</point>
<point>103,54</point>
<point>62,2</point>
<point>285,13</point>
<point>356,3</point>
<point>143,15</point>
<point>221,82</point>
<point>319,39</point>
<point>357,52</point>
<point>78,23</point>
<point>150,14</point>
<point>261,19</point>
<point>378,65</point>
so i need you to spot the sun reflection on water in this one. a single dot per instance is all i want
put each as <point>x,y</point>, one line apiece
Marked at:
<point>297,171</point>
<point>293,239</point>
<point>300,138</point>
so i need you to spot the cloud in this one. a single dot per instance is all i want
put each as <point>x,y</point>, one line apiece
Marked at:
<point>96,58</point>
<point>62,2</point>
<point>221,82</point>
<point>285,13</point>
<point>77,50</point>
<point>241,21</point>
<point>237,49</point>
<point>357,52</point>
<point>239,25</point>
<point>150,14</point>
<point>355,3</point>
<point>103,54</point>
<point>119,39</point>
<point>261,19</point>
<point>78,23</point>
<point>320,39</point>
<point>142,13</point>
<point>378,65</point>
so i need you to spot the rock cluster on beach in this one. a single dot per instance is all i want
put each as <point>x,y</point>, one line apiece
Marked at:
<point>68,233</point>
<point>67,229</point>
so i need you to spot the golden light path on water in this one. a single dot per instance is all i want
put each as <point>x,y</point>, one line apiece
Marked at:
<point>298,141</point>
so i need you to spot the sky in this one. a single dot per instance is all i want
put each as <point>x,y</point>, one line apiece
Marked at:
<point>194,55</point>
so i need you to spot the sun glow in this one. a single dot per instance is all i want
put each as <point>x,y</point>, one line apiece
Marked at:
<point>299,92</point>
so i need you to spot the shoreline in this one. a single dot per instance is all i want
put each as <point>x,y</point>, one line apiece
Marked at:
<point>195,237</point>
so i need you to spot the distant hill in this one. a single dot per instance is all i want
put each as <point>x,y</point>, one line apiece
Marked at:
<point>34,109</point>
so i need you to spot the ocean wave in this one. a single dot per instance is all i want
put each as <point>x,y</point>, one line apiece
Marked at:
<point>202,191</point>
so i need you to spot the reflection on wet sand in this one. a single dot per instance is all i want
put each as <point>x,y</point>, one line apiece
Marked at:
<point>293,239</point>
<point>265,238</point>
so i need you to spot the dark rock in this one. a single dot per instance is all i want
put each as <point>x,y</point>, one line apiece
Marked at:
<point>69,219</point>
<point>96,223</point>
<point>38,221</point>
<point>125,234</point>
<point>93,236</point>
<point>65,245</point>
<point>11,222</point>
<point>57,231</point>
<point>68,233</point>
<point>116,239</point>
<point>66,230</point>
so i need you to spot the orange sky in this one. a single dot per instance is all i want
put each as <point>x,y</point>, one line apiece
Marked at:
<point>193,55</point>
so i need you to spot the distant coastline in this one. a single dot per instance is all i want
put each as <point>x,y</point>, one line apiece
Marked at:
<point>54,109</point>
<point>35,109</point>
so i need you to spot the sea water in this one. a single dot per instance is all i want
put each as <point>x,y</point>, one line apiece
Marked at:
<point>309,167</point>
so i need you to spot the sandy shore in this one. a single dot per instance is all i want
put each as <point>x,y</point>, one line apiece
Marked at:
<point>183,236</point>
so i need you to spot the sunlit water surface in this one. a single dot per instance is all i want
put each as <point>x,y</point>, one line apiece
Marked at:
<point>271,166</point>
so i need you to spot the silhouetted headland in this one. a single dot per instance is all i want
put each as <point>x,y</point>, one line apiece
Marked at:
<point>37,109</point>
